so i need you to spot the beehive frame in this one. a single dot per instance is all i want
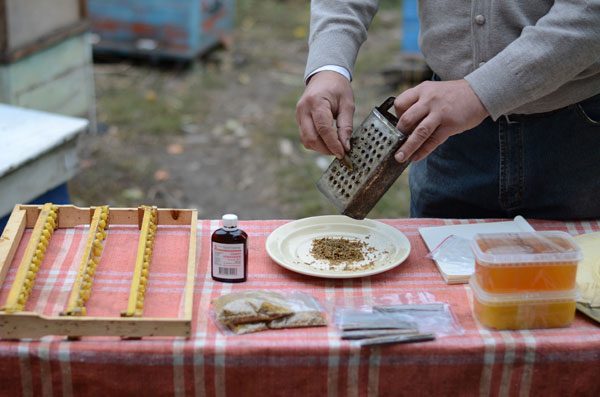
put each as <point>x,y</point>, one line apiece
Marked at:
<point>15,324</point>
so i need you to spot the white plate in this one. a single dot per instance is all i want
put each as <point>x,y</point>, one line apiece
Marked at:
<point>289,245</point>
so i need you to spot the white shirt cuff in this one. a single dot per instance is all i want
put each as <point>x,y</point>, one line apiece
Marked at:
<point>334,68</point>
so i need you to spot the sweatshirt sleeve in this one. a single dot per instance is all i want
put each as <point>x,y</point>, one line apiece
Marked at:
<point>562,44</point>
<point>337,30</point>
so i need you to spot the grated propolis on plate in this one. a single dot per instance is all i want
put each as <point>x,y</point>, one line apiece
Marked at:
<point>342,253</point>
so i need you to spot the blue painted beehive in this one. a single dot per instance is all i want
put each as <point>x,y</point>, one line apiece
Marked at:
<point>180,29</point>
<point>410,23</point>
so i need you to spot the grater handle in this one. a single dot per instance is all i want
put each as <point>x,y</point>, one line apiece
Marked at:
<point>384,110</point>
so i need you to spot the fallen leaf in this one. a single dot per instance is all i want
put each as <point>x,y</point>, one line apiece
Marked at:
<point>244,78</point>
<point>300,32</point>
<point>175,148</point>
<point>150,95</point>
<point>161,175</point>
<point>87,163</point>
<point>247,24</point>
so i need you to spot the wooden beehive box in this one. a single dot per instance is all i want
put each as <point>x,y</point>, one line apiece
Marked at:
<point>40,153</point>
<point>176,29</point>
<point>57,79</point>
<point>26,26</point>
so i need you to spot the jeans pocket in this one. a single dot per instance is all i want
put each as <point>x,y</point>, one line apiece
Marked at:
<point>589,110</point>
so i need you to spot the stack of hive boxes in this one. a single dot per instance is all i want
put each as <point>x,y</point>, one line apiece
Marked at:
<point>171,29</point>
<point>45,56</point>
<point>525,280</point>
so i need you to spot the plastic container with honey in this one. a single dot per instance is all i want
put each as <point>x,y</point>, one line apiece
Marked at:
<point>525,310</point>
<point>525,262</point>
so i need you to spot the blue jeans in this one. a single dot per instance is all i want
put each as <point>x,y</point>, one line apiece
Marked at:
<point>538,166</point>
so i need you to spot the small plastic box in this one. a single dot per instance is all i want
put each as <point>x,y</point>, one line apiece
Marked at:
<point>525,262</point>
<point>525,310</point>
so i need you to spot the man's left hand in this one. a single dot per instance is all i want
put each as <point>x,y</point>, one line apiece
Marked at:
<point>433,111</point>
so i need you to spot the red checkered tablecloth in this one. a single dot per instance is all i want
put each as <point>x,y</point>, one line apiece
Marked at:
<point>300,362</point>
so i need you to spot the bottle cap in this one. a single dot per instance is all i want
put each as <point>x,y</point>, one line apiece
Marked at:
<point>230,220</point>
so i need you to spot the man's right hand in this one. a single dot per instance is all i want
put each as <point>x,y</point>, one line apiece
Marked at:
<point>327,97</point>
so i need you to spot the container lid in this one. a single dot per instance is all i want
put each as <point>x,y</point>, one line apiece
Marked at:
<point>517,248</point>
<point>531,297</point>
<point>230,221</point>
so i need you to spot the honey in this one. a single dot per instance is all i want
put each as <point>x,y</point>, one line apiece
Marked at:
<point>523,311</point>
<point>525,262</point>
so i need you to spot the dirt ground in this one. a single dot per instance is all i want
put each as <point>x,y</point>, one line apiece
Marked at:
<point>220,135</point>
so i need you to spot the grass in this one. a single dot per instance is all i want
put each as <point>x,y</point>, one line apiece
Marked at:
<point>145,107</point>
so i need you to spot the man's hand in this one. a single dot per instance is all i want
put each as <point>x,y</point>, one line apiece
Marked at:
<point>327,97</point>
<point>433,111</point>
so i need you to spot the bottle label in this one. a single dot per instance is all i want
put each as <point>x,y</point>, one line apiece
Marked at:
<point>228,260</point>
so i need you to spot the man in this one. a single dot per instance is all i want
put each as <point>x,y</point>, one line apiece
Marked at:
<point>512,124</point>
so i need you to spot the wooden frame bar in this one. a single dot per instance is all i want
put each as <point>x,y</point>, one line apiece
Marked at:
<point>23,324</point>
<point>137,291</point>
<point>91,255</point>
<point>33,325</point>
<point>34,254</point>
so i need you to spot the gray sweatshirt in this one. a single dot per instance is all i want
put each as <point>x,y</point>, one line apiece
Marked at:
<point>519,56</point>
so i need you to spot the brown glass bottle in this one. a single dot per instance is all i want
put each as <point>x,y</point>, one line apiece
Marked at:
<point>229,252</point>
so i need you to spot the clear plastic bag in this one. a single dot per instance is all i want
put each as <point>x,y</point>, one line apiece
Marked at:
<point>455,254</point>
<point>397,318</point>
<point>439,320</point>
<point>253,311</point>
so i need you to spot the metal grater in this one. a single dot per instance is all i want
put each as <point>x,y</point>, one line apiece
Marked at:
<point>356,184</point>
